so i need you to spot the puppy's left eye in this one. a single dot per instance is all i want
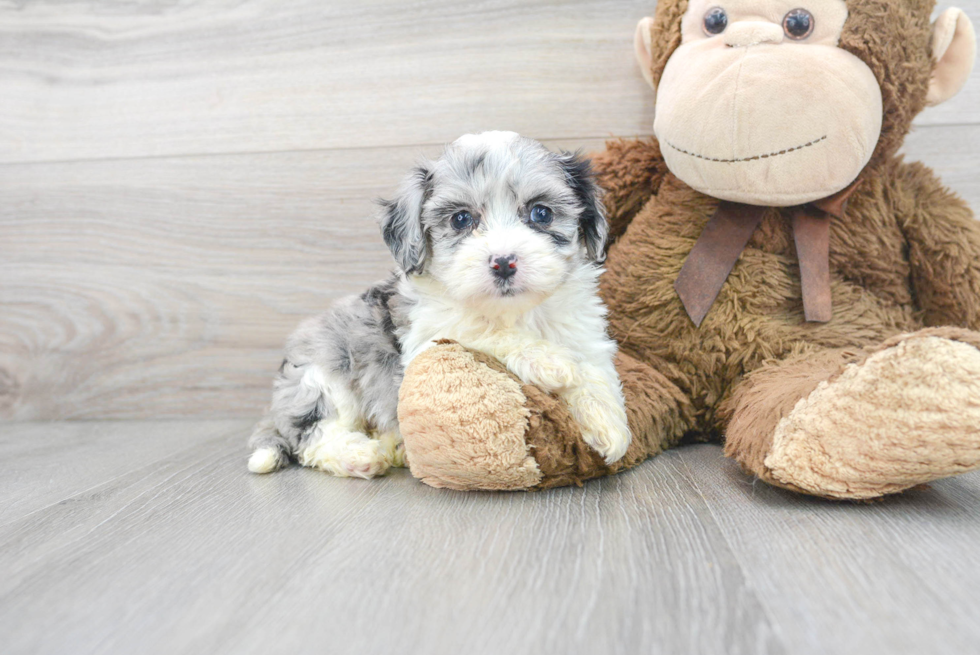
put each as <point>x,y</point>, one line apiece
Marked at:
<point>541,215</point>
<point>461,220</point>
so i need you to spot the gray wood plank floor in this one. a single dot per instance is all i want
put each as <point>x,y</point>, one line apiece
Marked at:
<point>151,537</point>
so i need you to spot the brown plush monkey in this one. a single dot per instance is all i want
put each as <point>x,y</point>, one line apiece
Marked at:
<point>780,277</point>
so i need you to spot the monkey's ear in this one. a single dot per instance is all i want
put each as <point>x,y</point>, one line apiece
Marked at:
<point>401,221</point>
<point>642,47</point>
<point>593,227</point>
<point>954,49</point>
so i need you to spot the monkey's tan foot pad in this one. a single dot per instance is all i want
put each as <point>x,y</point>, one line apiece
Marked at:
<point>907,414</point>
<point>468,424</point>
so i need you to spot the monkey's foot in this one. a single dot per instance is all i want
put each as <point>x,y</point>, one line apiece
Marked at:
<point>907,414</point>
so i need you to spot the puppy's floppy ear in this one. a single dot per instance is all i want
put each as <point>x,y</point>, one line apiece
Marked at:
<point>592,223</point>
<point>401,221</point>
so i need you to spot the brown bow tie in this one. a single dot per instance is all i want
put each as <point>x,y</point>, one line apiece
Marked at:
<point>728,232</point>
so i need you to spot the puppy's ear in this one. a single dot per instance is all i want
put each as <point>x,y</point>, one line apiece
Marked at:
<point>593,228</point>
<point>401,221</point>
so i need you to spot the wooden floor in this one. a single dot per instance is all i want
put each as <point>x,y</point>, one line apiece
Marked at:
<point>151,537</point>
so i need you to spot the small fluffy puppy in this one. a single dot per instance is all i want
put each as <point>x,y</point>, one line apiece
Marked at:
<point>498,244</point>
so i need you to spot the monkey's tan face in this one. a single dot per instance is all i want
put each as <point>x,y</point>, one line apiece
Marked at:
<point>759,105</point>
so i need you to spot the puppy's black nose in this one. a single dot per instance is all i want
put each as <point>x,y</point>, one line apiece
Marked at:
<point>504,267</point>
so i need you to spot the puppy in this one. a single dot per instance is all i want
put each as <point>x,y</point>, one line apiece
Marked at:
<point>498,245</point>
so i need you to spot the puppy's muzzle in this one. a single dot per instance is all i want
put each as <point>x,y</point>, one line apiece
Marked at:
<point>504,268</point>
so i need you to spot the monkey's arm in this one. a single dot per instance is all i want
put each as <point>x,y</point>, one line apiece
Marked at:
<point>944,248</point>
<point>630,172</point>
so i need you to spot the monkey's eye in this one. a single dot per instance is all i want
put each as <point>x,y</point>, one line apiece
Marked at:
<point>798,24</point>
<point>541,215</point>
<point>715,21</point>
<point>461,220</point>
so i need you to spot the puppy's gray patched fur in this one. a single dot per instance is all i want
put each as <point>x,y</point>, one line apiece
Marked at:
<point>356,341</point>
<point>497,245</point>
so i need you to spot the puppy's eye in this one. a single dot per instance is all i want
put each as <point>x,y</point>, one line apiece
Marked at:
<point>541,215</point>
<point>715,21</point>
<point>461,220</point>
<point>798,24</point>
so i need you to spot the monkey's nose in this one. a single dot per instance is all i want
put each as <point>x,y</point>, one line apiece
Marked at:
<point>504,267</point>
<point>743,34</point>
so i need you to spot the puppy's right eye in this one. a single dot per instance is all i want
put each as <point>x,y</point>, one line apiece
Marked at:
<point>461,220</point>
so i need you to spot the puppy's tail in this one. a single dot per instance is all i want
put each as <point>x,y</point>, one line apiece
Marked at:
<point>270,450</point>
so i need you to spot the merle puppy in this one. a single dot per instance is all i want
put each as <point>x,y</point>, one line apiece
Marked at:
<point>498,245</point>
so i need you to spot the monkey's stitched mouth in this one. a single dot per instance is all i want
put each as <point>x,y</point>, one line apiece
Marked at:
<point>744,159</point>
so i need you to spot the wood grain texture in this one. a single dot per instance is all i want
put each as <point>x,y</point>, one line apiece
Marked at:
<point>45,463</point>
<point>898,576</point>
<point>190,553</point>
<point>182,182</point>
<point>196,555</point>
<point>94,80</point>
<point>109,79</point>
<point>166,287</point>
<point>187,180</point>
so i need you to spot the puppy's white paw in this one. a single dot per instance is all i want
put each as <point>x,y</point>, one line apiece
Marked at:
<point>264,460</point>
<point>611,445</point>
<point>367,462</point>
<point>345,454</point>
<point>602,418</point>
<point>548,367</point>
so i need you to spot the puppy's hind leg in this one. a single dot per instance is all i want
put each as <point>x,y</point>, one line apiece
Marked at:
<point>344,452</point>
<point>339,443</point>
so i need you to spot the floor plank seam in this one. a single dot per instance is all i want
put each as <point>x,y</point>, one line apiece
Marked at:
<point>104,483</point>
<point>369,148</point>
<point>747,580</point>
<point>271,152</point>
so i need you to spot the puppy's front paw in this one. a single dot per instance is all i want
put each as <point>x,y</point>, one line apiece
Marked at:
<point>612,445</point>
<point>603,423</point>
<point>550,368</point>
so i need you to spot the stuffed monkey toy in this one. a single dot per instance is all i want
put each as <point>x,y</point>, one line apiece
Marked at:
<point>779,278</point>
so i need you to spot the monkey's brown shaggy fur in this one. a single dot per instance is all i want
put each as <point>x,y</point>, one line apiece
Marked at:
<point>905,258</point>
